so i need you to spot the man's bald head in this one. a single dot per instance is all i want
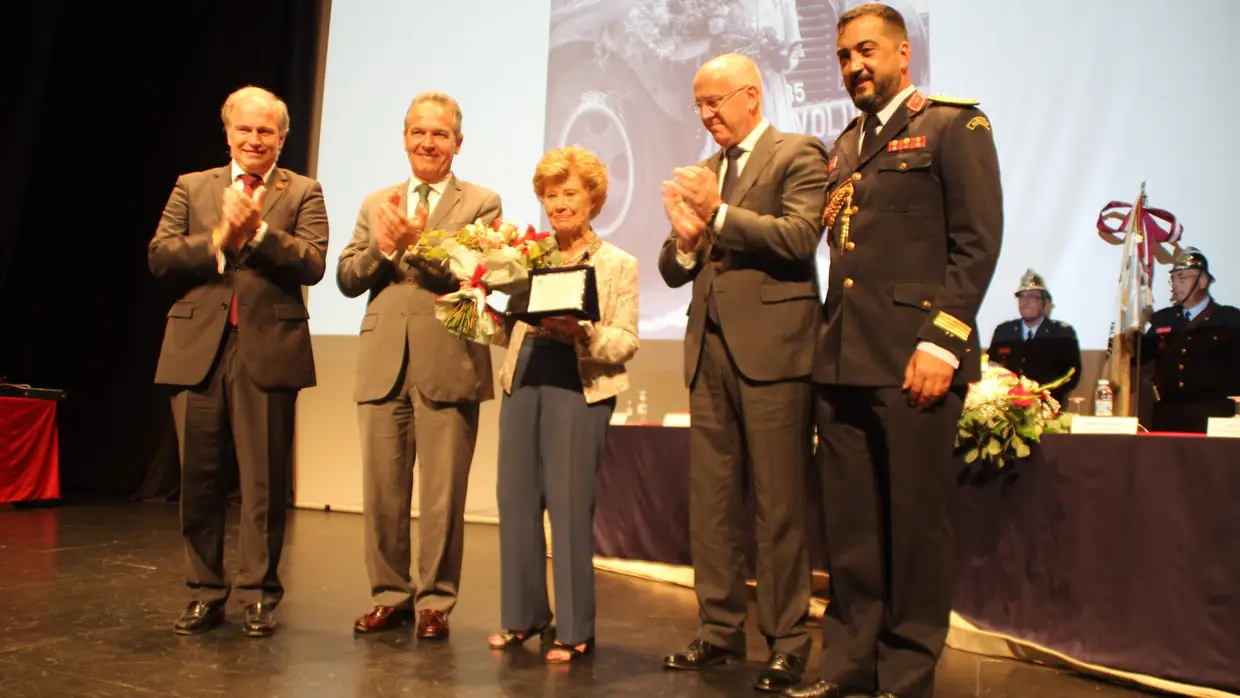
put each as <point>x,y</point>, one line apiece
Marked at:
<point>737,68</point>
<point>727,92</point>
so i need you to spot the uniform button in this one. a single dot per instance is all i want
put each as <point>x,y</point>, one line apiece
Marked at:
<point>851,245</point>
<point>904,165</point>
<point>224,306</point>
<point>848,283</point>
<point>1183,351</point>
<point>856,176</point>
<point>1181,384</point>
<point>925,304</point>
<point>853,210</point>
<point>1181,367</point>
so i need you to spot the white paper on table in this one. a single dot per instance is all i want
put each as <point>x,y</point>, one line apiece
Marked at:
<point>1104,425</point>
<point>560,291</point>
<point>1228,427</point>
<point>676,419</point>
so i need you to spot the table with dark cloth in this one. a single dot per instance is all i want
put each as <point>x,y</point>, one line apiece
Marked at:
<point>29,450</point>
<point>1120,551</point>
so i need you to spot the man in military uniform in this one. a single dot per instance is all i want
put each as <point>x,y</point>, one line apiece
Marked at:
<point>914,220</point>
<point>1191,351</point>
<point>1034,345</point>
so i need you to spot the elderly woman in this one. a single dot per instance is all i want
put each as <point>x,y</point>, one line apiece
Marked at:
<point>560,381</point>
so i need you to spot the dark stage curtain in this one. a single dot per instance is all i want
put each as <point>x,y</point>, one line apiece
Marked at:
<point>105,106</point>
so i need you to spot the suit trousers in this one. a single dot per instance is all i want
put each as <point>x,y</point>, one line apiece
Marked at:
<point>229,411</point>
<point>889,472</point>
<point>395,431</point>
<point>757,435</point>
<point>550,448</point>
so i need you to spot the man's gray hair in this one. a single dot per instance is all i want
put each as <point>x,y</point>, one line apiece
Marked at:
<point>256,93</point>
<point>443,100</point>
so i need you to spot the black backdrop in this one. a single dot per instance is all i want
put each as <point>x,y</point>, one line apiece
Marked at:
<point>102,109</point>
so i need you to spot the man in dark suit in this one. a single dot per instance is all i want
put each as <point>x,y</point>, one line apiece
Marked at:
<point>1034,345</point>
<point>914,220</point>
<point>418,386</point>
<point>241,240</point>
<point>745,226</point>
<point>1191,351</point>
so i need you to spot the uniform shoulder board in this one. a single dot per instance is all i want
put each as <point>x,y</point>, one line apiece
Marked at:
<point>957,101</point>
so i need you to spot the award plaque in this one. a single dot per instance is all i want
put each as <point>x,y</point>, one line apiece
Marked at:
<point>562,291</point>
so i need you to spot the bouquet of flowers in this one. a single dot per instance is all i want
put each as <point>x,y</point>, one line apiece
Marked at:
<point>483,258</point>
<point>1004,413</point>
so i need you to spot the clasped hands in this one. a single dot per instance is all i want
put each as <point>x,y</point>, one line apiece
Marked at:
<point>690,200</point>
<point>395,231</point>
<point>241,218</point>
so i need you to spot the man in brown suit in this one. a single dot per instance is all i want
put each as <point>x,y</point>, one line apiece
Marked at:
<point>418,386</point>
<point>746,223</point>
<point>241,241</point>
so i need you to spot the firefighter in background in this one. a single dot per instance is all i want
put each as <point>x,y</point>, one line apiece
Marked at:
<point>1191,351</point>
<point>1034,345</point>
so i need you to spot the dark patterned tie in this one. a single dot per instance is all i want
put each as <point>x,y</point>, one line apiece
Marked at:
<point>250,182</point>
<point>729,183</point>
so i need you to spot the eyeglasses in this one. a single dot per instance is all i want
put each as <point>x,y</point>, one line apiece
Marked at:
<point>713,103</point>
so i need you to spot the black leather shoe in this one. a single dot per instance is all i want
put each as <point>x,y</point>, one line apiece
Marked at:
<point>259,621</point>
<point>783,671</point>
<point>823,689</point>
<point>199,617</point>
<point>698,656</point>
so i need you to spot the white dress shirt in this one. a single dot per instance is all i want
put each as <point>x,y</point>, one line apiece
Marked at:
<point>259,234</point>
<point>689,259</point>
<point>1027,332</point>
<point>1194,311</point>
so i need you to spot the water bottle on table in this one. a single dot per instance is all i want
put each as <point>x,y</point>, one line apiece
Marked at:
<point>1104,399</point>
<point>643,408</point>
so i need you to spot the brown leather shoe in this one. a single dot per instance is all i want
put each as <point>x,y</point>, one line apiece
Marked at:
<point>432,625</point>
<point>382,618</point>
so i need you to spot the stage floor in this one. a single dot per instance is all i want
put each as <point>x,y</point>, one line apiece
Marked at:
<point>88,594</point>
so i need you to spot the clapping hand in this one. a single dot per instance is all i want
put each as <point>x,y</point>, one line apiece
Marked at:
<point>699,187</point>
<point>241,218</point>
<point>395,231</point>
<point>686,223</point>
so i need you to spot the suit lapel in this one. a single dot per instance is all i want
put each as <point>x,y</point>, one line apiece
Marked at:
<point>450,197</point>
<point>891,130</point>
<point>762,153</point>
<point>273,191</point>
<point>218,184</point>
<point>848,150</point>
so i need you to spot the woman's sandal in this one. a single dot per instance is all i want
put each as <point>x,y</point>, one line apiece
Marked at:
<point>573,653</point>
<point>513,638</point>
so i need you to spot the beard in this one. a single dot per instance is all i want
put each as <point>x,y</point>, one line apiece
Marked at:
<point>885,88</point>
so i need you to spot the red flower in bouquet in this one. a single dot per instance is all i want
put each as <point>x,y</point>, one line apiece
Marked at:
<point>1020,397</point>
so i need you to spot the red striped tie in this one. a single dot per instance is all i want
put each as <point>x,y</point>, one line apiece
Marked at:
<point>251,183</point>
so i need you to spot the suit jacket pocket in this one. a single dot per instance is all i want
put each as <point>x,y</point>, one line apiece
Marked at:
<point>369,322</point>
<point>786,291</point>
<point>917,294</point>
<point>910,161</point>
<point>182,309</point>
<point>290,311</point>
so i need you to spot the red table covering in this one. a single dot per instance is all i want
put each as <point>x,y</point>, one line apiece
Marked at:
<point>29,450</point>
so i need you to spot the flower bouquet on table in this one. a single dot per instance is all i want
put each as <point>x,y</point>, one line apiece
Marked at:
<point>483,258</point>
<point>1004,413</point>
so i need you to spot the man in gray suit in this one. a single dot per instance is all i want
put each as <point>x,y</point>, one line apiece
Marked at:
<point>239,241</point>
<point>418,387</point>
<point>745,226</point>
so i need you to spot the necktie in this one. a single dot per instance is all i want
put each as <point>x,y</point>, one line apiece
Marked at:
<point>1028,334</point>
<point>250,183</point>
<point>870,130</point>
<point>1188,315</point>
<point>725,192</point>
<point>423,191</point>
